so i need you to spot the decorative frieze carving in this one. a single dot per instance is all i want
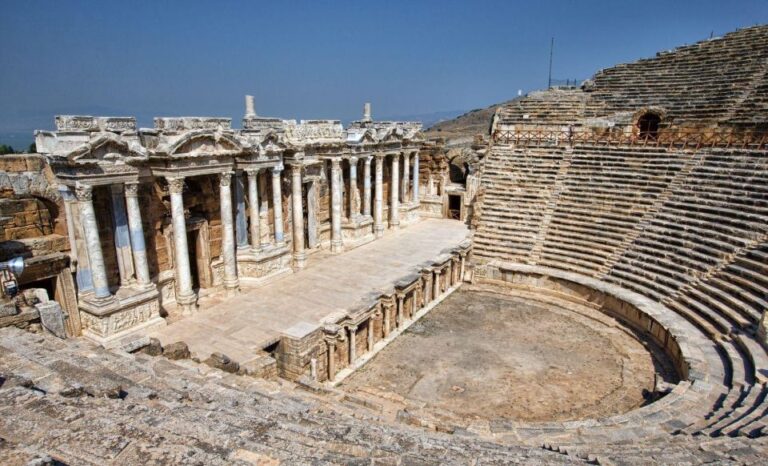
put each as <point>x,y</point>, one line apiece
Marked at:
<point>190,123</point>
<point>93,124</point>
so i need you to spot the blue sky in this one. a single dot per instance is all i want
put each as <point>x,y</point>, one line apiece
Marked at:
<point>321,59</point>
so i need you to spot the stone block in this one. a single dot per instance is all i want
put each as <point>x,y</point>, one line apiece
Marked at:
<point>178,350</point>
<point>223,362</point>
<point>52,318</point>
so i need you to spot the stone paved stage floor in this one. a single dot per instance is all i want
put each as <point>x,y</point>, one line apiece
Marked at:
<point>240,326</point>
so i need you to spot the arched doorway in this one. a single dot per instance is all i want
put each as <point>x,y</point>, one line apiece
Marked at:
<point>648,125</point>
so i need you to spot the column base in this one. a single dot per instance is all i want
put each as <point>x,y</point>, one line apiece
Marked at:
<point>187,304</point>
<point>299,260</point>
<point>337,246</point>
<point>378,231</point>
<point>123,320</point>
<point>232,287</point>
<point>394,226</point>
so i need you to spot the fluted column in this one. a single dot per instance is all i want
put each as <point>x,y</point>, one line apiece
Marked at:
<point>367,187</point>
<point>415,190</point>
<point>378,208</point>
<point>136,229</point>
<point>336,242</point>
<point>241,224</point>
<point>394,198</point>
<point>253,209</point>
<point>299,256</point>
<point>277,205</point>
<point>185,296</point>
<point>406,177</point>
<point>92,241</point>
<point>121,236</point>
<point>231,282</point>
<point>354,193</point>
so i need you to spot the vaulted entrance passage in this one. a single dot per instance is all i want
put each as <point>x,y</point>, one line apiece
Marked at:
<point>648,125</point>
<point>485,355</point>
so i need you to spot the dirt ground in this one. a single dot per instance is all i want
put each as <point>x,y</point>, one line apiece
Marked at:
<point>485,355</point>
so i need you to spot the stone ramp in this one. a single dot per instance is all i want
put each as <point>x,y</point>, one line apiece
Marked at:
<point>240,327</point>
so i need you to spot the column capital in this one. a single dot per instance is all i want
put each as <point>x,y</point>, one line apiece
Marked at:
<point>132,189</point>
<point>380,155</point>
<point>335,163</point>
<point>176,184</point>
<point>84,192</point>
<point>276,169</point>
<point>296,169</point>
<point>352,159</point>
<point>251,171</point>
<point>225,179</point>
<point>368,159</point>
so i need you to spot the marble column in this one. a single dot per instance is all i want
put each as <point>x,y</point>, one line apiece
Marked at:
<point>93,242</point>
<point>436,284</point>
<point>378,208</point>
<point>415,190</point>
<point>370,333</point>
<point>352,344</point>
<point>299,256</point>
<point>277,205</point>
<point>367,187</point>
<point>136,229</point>
<point>185,296</point>
<point>253,209</point>
<point>354,193</point>
<point>399,318</point>
<point>461,269</point>
<point>241,224</point>
<point>231,282</point>
<point>265,239</point>
<point>331,359</point>
<point>336,241</point>
<point>406,177</point>
<point>394,198</point>
<point>121,236</point>
<point>387,319</point>
<point>312,239</point>
<point>69,198</point>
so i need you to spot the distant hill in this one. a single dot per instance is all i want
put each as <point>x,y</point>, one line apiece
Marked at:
<point>466,126</point>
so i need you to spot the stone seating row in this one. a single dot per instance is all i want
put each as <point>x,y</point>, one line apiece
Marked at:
<point>78,404</point>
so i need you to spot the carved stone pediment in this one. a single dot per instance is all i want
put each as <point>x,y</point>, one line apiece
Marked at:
<point>203,143</point>
<point>107,149</point>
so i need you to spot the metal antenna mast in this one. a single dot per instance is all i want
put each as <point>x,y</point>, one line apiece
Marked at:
<point>551,48</point>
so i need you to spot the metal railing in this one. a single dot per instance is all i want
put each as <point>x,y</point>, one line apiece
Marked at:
<point>684,138</point>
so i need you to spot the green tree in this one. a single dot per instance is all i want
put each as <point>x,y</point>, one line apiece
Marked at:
<point>4,149</point>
